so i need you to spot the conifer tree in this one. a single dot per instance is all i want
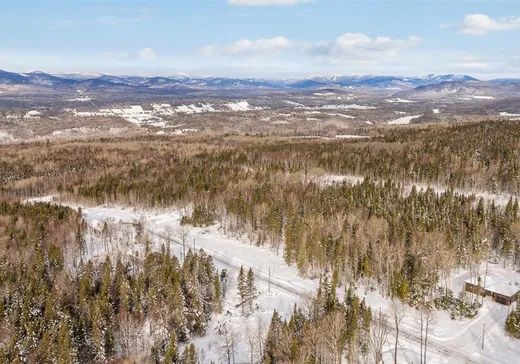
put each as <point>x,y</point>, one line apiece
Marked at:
<point>217,294</point>
<point>189,356</point>
<point>171,355</point>
<point>241,283</point>
<point>250,287</point>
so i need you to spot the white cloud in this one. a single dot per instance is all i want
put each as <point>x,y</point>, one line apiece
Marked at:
<point>246,46</point>
<point>147,54</point>
<point>359,46</point>
<point>266,2</point>
<point>349,46</point>
<point>481,24</point>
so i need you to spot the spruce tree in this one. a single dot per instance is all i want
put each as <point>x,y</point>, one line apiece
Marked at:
<point>250,287</point>
<point>241,282</point>
<point>217,294</point>
<point>171,356</point>
<point>189,356</point>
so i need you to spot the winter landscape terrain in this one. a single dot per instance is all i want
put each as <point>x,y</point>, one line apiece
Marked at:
<point>40,106</point>
<point>259,182</point>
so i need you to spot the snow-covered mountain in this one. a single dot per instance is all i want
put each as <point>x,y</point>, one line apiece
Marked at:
<point>463,90</point>
<point>93,80</point>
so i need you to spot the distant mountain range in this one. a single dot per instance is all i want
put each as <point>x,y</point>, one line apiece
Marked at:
<point>93,80</point>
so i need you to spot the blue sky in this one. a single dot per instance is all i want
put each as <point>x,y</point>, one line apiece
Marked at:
<point>262,38</point>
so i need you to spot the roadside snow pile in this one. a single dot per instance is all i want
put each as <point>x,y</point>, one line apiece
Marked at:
<point>436,111</point>
<point>33,114</point>
<point>242,106</point>
<point>404,120</point>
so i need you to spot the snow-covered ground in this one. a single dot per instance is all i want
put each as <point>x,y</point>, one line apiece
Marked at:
<point>509,114</point>
<point>80,99</point>
<point>32,114</point>
<point>399,100</point>
<point>404,120</point>
<point>324,94</point>
<point>242,106</point>
<point>347,107</point>
<point>479,97</point>
<point>349,136</point>
<point>5,137</point>
<point>341,115</point>
<point>450,341</point>
<point>500,199</point>
<point>292,103</point>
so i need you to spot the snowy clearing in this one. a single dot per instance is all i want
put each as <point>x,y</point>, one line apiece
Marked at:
<point>509,114</point>
<point>399,100</point>
<point>341,115</point>
<point>292,103</point>
<point>478,97</point>
<point>347,107</point>
<point>242,106</point>
<point>32,114</point>
<point>5,137</point>
<point>80,99</point>
<point>347,136</point>
<point>404,120</point>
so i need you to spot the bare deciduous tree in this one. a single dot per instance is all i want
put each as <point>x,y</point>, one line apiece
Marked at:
<point>129,330</point>
<point>425,321</point>
<point>228,343</point>
<point>378,336</point>
<point>398,311</point>
<point>333,326</point>
<point>256,337</point>
<point>183,232</point>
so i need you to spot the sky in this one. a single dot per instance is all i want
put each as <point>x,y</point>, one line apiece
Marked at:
<point>262,38</point>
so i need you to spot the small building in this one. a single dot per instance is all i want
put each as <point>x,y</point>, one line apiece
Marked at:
<point>501,288</point>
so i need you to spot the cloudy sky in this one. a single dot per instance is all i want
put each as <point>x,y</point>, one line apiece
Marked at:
<point>262,38</point>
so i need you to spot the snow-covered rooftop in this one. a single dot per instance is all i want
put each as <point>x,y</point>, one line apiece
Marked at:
<point>498,280</point>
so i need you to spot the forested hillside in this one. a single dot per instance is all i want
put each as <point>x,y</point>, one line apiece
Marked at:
<point>382,233</point>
